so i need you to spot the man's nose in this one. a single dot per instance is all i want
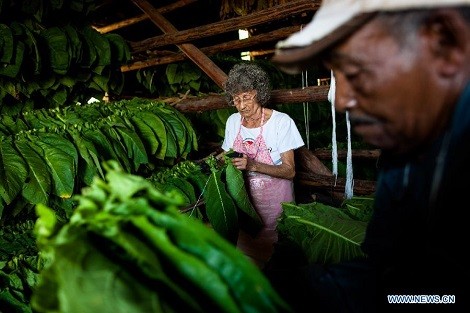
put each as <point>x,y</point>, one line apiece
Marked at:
<point>344,95</point>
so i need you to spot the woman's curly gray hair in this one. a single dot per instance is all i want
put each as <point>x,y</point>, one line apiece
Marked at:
<point>244,77</point>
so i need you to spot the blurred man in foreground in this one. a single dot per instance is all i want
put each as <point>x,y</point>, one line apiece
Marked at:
<point>402,71</point>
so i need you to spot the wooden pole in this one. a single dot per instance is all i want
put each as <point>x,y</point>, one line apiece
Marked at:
<point>171,57</point>
<point>271,14</point>
<point>215,102</point>
<point>199,58</point>
<point>143,17</point>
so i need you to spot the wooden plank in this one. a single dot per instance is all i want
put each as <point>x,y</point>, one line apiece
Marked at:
<point>260,17</point>
<point>325,182</point>
<point>306,161</point>
<point>143,17</point>
<point>215,102</point>
<point>325,154</point>
<point>199,58</point>
<point>171,57</point>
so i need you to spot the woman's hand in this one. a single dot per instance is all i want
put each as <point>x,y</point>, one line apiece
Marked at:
<point>285,170</point>
<point>242,163</point>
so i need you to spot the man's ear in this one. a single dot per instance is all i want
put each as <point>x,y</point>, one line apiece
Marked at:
<point>448,33</point>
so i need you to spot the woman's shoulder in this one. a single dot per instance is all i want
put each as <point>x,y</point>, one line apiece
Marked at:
<point>234,117</point>
<point>280,116</point>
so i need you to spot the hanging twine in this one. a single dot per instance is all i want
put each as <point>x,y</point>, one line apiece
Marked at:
<point>348,188</point>
<point>334,149</point>
<point>306,111</point>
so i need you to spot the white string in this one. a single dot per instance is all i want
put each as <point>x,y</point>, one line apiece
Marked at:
<point>305,107</point>
<point>306,111</point>
<point>348,188</point>
<point>199,198</point>
<point>334,149</point>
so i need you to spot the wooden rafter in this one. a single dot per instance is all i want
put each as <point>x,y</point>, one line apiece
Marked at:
<point>215,102</point>
<point>243,22</point>
<point>142,17</point>
<point>191,51</point>
<point>171,57</point>
<point>361,187</point>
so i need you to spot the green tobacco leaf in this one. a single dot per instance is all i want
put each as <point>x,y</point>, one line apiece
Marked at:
<point>185,187</point>
<point>134,146</point>
<point>158,127</point>
<point>105,147</point>
<point>62,158</point>
<point>89,53</point>
<point>324,233</point>
<point>34,54</point>
<point>102,81</point>
<point>174,189</point>
<point>146,134</point>
<point>13,171</point>
<point>118,146</point>
<point>13,68</point>
<point>59,97</point>
<point>173,75</point>
<point>199,180</point>
<point>191,140</point>
<point>6,44</point>
<point>172,147</point>
<point>103,49</point>
<point>37,187</point>
<point>109,286</point>
<point>220,208</point>
<point>249,218</point>
<point>359,208</point>
<point>179,129</point>
<point>90,164</point>
<point>120,50</point>
<point>13,125</point>
<point>75,42</point>
<point>58,49</point>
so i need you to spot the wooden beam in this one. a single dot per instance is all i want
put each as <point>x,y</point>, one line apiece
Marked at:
<point>143,17</point>
<point>215,102</point>
<point>325,154</point>
<point>121,24</point>
<point>199,58</point>
<point>332,184</point>
<point>171,57</point>
<point>306,161</point>
<point>260,17</point>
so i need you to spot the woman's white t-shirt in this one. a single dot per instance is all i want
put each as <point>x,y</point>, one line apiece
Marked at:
<point>280,134</point>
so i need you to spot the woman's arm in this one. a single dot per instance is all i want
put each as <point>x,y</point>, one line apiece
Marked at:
<point>285,170</point>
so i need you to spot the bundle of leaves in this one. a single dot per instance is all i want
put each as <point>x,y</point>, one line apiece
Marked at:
<point>220,186</point>
<point>127,248</point>
<point>324,234</point>
<point>20,265</point>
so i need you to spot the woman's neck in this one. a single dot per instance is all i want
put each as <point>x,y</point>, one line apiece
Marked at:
<point>254,121</point>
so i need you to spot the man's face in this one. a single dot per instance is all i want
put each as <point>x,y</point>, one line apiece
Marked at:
<point>387,88</point>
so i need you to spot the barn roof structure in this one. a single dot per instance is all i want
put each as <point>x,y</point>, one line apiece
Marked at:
<point>164,32</point>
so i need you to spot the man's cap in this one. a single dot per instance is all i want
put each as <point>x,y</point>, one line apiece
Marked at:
<point>335,20</point>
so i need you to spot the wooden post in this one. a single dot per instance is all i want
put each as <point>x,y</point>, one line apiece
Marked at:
<point>199,58</point>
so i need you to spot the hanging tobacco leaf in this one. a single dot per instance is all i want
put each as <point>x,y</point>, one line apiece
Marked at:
<point>58,53</point>
<point>61,157</point>
<point>325,234</point>
<point>13,171</point>
<point>249,219</point>
<point>220,208</point>
<point>37,186</point>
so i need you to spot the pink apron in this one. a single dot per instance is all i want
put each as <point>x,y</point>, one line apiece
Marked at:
<point>266,194</point>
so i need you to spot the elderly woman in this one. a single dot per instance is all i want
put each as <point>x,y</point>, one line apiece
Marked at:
<point>267,139</point>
